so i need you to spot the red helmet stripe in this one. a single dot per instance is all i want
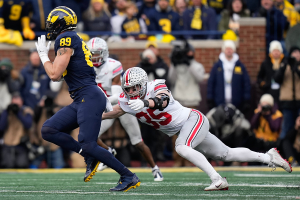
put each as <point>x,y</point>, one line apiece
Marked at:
<point>127,77</point>
<point>93,42</point>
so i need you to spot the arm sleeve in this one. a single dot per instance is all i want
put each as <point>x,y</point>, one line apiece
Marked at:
<point>159,86</point>
<point>197,71</point>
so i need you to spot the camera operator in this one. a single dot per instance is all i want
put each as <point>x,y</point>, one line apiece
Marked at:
<point>15,121</point>
<point>266,124</point>
<point>152,63</point>
<point>8,85</point>
<point>288,76</point>
<point>185,74</point>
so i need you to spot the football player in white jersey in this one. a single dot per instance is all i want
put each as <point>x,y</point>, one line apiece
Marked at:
<point>152,103</point>
<point>108,72</point>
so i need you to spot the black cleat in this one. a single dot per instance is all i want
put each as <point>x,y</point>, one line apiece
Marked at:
<point>126,183</point>
<point>91,168</point>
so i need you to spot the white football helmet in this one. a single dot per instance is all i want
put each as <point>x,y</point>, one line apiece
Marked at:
<point>134,77</point>
<point>99,50</point>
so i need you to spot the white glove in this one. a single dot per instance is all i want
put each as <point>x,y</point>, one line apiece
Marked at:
<point>136,104</point>
<point>42,49</point>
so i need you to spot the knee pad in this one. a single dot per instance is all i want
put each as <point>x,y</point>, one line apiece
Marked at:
<point>47,132</point>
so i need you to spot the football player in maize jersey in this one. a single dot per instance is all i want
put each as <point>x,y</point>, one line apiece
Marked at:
<point>153,104</point>
<point>14,14</point>
<point>108,72</point>
<point>73,63</point>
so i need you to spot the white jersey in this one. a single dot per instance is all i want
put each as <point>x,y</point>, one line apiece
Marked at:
<point>105,74</point>
<point>169,121</point>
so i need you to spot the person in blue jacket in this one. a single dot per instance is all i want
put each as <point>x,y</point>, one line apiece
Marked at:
<point>229,81</point>
<point>163,18</point>
<point>199,17</point>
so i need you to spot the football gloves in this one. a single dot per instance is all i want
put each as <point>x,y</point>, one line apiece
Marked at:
<point>42,49</point>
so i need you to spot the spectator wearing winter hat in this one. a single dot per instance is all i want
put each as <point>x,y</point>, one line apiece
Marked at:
<point>288,76</point>
<point>266,124</point>
<point>265,77</point>
<point>229,81</point>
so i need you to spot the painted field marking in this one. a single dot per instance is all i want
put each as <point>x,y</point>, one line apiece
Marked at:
<point>148,170</point>
<point>269,175</point>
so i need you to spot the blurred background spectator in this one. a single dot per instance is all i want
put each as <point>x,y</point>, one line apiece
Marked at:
<point>163,18</point>
<point>41,9</point>
<point>133,24</point>
<point>152,63</point>
<point>229,125</point>
<point>15,122</point>
<point>230,17</point>
<point>118,16</point>
<point>97,17</point>
<point>15,15</point>
<point>199,17</point>
<point>8,83</point>
<point>185,74</point>
<point>288,10</point>
<point>276,21</point>
<point>180,6</point>
<point>266,124</point>
<point>288,76</point>
<point>229,81</point>
<point>265,77</point>
<point>291,144</point>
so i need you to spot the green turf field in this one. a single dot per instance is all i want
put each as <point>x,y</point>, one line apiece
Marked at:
<point>179,183</point>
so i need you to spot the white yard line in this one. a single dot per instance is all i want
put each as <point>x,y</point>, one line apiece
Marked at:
<point>268,175</point>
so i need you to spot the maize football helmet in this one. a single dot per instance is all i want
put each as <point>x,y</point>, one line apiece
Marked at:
<point>60,19</point>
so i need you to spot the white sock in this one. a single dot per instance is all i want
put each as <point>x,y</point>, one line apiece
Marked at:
<point>246,155</point>
<point>155,167</point>
<point>198,159</point>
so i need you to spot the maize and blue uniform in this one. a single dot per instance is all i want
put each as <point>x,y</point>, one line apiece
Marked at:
<point>12,11</point>
<point>89,101</point>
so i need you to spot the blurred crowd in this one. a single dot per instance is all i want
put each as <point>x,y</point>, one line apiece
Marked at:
<point>160,20</point>
<point>268,118</point>
<point>28,97</point>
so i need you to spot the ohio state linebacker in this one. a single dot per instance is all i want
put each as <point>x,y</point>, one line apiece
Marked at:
<point>108,72</point>
<point>153,104</point>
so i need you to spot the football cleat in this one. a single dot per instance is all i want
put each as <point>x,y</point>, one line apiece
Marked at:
<point>126,183</point>
<point>277,161</point>
<point>157,175</point>
<point>102,166</point>
<point>91,168</point>
<point>219,184</point>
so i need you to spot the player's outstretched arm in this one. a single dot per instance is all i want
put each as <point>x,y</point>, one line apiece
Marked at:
<point>117,112</point>
<point>160,101</point>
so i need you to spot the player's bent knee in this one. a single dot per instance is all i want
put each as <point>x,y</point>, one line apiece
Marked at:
<point>181,150</point>
<point>47,132</point>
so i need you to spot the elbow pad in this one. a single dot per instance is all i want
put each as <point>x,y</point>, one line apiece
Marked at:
<point>158,101</point>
